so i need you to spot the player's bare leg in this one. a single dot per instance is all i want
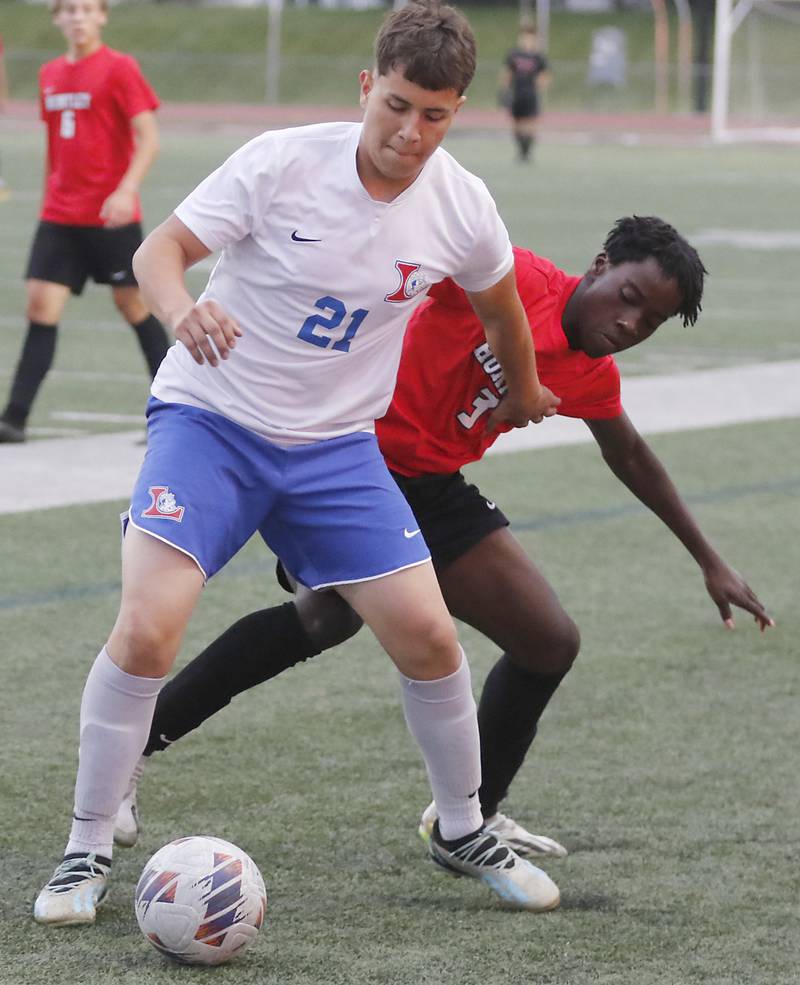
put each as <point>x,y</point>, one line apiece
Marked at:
<point>116,711</point>
<point>407,614</point>
<point>45,305</point>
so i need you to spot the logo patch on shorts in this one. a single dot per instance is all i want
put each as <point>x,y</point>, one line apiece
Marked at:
<point>163,504</point>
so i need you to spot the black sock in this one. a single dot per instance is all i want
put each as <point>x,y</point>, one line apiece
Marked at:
<point>34,362</point>
<point>511,705</point>
<point>525,144</point>
<point>254,649</point>
<point>153,340</point>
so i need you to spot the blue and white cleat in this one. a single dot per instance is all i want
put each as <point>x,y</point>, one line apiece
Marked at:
<point>523,842</point>
<point>75,890</point>
<point>518,883</point>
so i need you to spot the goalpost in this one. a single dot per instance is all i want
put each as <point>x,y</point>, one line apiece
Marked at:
<point>756,77</point>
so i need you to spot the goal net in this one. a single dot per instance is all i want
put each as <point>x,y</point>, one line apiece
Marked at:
<point>756,81</point>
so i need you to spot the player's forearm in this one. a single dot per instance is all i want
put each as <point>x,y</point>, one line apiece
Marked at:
<point>145,152</point>
<point>160,266</point>
<point>512,346</point>
<point>648,480</point>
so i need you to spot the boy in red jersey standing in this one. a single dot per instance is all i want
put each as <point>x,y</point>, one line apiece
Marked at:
<point>101,141</point>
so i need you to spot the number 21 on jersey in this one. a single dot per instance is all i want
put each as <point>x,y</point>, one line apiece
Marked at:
<point>319,329</point>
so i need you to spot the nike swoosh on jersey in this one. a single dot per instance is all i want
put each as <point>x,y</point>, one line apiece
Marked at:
<point>302,239</point>
<point>408,534</point>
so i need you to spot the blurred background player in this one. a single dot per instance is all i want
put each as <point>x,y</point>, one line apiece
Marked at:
<point>448,383</point>
<point>3,98</point>
<point>101,141</point>
<point>524,74</point>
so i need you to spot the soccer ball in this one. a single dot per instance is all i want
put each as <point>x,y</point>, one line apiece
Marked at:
<point>200,900</point>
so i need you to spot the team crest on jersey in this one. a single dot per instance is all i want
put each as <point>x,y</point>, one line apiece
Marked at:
<point>163,504</point>
<point>412,282</point>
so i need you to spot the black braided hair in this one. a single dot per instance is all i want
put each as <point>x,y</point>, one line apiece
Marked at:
<point>635,238</point>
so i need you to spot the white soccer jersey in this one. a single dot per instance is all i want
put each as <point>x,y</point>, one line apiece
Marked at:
<point>323,279</point>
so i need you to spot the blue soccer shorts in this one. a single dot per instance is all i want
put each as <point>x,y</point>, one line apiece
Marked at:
<point>330,509</point>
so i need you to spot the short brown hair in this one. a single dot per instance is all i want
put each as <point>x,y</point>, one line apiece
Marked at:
<point>55,6</point>
<point>432,43</point>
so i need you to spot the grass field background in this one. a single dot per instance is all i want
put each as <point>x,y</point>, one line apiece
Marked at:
<point>668,761</point>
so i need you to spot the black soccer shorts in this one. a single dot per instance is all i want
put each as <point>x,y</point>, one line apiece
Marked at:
<point>452,514</point>
<point>525,106</point>
<point>70,255</point>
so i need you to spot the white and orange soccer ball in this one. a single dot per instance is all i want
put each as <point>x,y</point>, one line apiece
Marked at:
<point>200,900</point>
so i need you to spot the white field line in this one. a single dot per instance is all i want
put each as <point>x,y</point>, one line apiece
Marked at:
<point>68,471</point>
<point>749,239</point>
<point>681,402</point>
<point>97,417</point>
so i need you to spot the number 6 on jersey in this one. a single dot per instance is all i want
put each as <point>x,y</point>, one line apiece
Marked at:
<point>309,333</point>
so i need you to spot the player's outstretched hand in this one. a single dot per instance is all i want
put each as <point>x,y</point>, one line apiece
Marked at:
<point>203,324</point>
<point>512,413</point>
<point>726,587</point>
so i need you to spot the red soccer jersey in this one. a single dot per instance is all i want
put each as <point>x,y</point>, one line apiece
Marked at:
<point>87,106</point>
<point>449,381</point>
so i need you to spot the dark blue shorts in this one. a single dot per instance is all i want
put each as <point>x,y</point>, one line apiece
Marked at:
<point>330,510</point>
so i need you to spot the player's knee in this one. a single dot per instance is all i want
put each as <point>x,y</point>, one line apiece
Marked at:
<point>432,649</point>
<point>568,645</point>
<point>553,650</point>
<point>327,618</point>
<point>42,312</point>
<point>143,645</point>
<point>130,305</point>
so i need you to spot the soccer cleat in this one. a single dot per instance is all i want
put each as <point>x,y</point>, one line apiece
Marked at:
<point>10,434</point>
<point>126,825</point>
<point>518,883</point>
<point>507,830</point>
<point>75,890</point>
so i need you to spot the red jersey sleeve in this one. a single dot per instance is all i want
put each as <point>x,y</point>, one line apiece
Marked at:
<point>132,92</point>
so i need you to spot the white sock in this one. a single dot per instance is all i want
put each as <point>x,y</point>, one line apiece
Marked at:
<point>116,713</point>
<point>442,717</point>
